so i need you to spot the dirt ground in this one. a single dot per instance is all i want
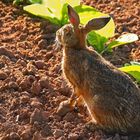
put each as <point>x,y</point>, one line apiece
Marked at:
<point>31,81</point>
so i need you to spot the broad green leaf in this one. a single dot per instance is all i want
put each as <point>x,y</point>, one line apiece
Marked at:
<point>97,41</point>
<point>87,13</point>
<point>41,11</point>
<point>124,39</point>
<point>54,6</point>
<point>133,70</point>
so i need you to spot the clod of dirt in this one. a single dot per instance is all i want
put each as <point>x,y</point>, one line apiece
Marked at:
<point>42,44</point>
<point>135,54</point>
<point>37,136</point>
<point>2,118</point>
<point>39,64</point>
<point>31,68</point>
<point>44,82</point>
<point>3,75</point>
<point>35,103</point>
<point>48,55</point>
<point>24,99</point>
<point>2,65</point>
<point>13,85</point>
<point>23,115</point>
<point>58,133</point>
<point>14,136</point>
<point>14,103</point>
<point>46,130</point>
<point>36,88</point>
<point>38,116</point>
<point>6,52</point>
<point>27,134</point>
<point>21,62</point>
<point>73,136</point>
<point>64,108</point>
<point>70,116</point>
<point>25,84</point>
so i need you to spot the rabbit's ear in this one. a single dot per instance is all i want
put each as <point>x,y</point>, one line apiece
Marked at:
<point>73,16</point>
<point>96,24</point>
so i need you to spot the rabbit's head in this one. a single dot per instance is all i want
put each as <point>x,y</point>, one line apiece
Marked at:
<point>74,34</point>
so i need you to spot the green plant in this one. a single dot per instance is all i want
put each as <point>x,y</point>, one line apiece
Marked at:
<point>133,69</point>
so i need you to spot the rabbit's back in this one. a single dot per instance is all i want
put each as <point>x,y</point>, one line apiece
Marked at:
<point>111,96</point>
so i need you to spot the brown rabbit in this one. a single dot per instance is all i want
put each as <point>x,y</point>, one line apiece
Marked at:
<point>112,98</point>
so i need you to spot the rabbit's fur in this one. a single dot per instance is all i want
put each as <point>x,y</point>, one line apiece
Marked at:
<point>112,98</point>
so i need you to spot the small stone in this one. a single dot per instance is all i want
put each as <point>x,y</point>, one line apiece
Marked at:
<point>14,103</point>
<point>14,136</point>
<point>73,136</point>
<point>24,114</point>
<point>49,55</point>
<point>44,82</point>
<point>24,99</point>
<point>3,75</point>
<point>70,116</point>
<point>23,36</point>
<point>36,88</point>
<point>64,108</point>
<point>35,116</point>
<point>46,131</point>
<point>31,68</point>
<point>2,65</point>
<point>36,104</point>
<point>38,116</point>
<point>13,85</point>
<point>58,133</point>
<point>31,78</point>
<point>25,84</point>
<point>37,136</point>
<point>26,134</point>
<point>6,52</point>
<point>21,62</point>
<point>42,44</point>
<point>39,64</point>
<point>2,118</point>
<point>38,38</point>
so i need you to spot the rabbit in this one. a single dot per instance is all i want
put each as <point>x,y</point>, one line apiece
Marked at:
<point>110,95</point>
